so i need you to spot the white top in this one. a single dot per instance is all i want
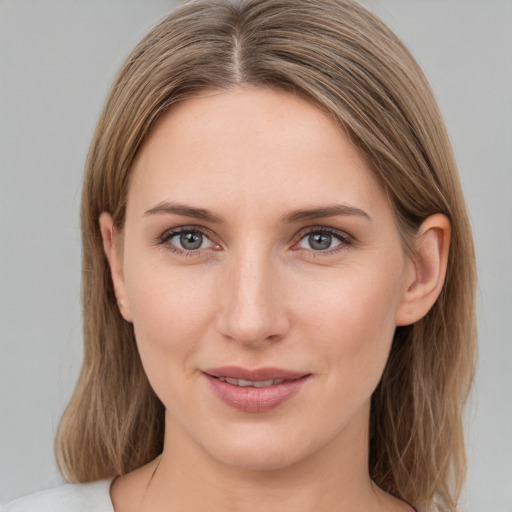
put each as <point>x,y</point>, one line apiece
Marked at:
<point>90,497</point>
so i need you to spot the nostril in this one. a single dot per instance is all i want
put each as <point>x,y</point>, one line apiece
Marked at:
<point>251,308</point>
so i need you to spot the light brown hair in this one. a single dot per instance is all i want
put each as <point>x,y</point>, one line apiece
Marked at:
<point>345,60</point>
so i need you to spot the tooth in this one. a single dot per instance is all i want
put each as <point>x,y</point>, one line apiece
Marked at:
<point>254,383</point>
<point>262,383</point>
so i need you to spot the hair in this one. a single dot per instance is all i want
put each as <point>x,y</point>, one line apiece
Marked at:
<point>342,58</point>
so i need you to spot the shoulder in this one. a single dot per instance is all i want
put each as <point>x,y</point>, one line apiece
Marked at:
<point>89,497</point>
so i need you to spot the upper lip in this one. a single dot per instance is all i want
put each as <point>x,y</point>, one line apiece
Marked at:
<point>257,374</point>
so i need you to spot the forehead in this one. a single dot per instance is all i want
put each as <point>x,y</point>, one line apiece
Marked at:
<point>250,144</point>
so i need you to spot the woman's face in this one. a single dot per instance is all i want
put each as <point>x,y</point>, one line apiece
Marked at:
<point>263,272</point>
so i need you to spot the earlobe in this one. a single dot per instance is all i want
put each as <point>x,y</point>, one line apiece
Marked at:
<point>427,271</point>
<point>112,250</point>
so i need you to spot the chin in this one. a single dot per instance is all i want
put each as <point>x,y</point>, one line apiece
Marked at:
<point>261,451</point>
<point>258,459</point>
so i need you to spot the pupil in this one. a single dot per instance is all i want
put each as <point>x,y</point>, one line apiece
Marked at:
<point>191,241</point>
<point>320,241</point>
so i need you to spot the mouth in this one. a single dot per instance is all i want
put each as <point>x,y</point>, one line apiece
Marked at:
<point>259,390</point>
<point>253,383</point>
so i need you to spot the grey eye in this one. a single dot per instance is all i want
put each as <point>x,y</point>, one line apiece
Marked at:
<point>319,241</point>
<point>190,240</point>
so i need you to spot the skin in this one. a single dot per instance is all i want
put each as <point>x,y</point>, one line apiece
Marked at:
<point>258,293</point>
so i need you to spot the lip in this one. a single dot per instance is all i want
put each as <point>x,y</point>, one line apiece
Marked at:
<point>255,399</point>
<point>236,372</point>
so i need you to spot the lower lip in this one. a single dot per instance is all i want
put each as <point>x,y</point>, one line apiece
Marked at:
<point>251,399</point>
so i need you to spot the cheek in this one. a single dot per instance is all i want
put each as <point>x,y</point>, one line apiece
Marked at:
<point>352,320</point>
<point>171,312</point>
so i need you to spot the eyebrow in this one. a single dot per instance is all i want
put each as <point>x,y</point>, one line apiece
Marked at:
<point>185,211</point>
<point>327,211</point>
<point>289,218</point>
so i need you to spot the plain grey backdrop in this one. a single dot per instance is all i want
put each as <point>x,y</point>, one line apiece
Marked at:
<point>57,60</point>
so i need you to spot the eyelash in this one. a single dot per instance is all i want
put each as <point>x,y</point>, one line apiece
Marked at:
<point>345,240</point>
<point>169,235</point>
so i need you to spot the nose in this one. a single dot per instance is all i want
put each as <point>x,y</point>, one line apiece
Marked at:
<point>253,311</point>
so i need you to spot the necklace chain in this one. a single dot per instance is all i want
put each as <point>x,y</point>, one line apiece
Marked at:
<point>372,485</point>
<point>148,484</point>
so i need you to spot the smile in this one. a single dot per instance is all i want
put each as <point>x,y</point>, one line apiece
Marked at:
<point>253,391</point>
<point>252,383</point>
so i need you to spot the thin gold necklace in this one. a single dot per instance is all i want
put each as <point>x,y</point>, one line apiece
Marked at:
<point>149,483</point>
<point>372,485</point>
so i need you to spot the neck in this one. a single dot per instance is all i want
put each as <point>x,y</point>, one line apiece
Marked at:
<point>333,478</point>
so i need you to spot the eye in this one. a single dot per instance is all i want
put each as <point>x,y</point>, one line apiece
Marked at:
<point>187,240</point>
<point>323,240</point>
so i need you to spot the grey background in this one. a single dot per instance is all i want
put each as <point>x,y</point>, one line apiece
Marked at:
<point>57,60</point>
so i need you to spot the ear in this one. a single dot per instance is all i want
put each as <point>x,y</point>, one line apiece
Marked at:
<point>425,277</point>
<point>113,251</point>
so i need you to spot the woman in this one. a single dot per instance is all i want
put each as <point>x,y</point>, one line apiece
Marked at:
<point>278,274</point>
